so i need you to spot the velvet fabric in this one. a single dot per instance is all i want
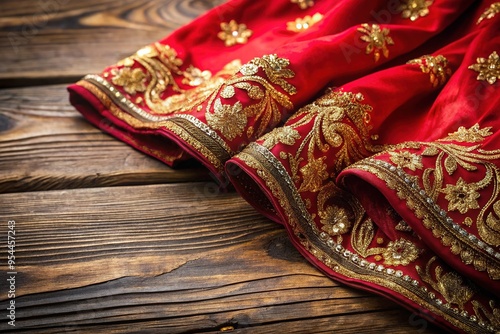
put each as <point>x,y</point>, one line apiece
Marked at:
<point>369,131</point>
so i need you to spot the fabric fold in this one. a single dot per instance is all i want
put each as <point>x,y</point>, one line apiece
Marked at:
<point>389,182</point>
<point>206,103</point>
<point>369,131</point>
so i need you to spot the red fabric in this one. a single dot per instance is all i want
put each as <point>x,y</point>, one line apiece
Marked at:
<point>371,135</point>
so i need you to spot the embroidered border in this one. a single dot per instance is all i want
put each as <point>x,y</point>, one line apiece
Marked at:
<point>334,255</point>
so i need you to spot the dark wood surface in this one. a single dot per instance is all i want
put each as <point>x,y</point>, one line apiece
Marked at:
<point>109,240</point>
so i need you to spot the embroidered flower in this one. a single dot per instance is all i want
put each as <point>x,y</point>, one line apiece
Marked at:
<point>406,159</point>
<point>488,69</point>
<point>304,4</point>
<point>230,120</point>
<point>233,33</point>
<point>400,252</point>
<point>472,135</point>
<point>301,24</point>
<point>437,67</point>
<point>285,135</point>
<point>194,76</point>
<point>335,220</point>
<point>413,9</point>
<point>132,80</point>
<point>462,196</point>
<point>490,12</point>
<point>377,40</point>
<point>314,173</point>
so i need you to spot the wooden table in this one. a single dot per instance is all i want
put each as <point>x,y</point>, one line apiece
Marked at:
<point>109,240</point>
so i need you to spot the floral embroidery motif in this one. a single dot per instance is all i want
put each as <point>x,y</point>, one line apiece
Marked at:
<point>490,12</point>
<point>377,39</point>
<point>233,33</point>
<point>132,80</point>
<point>304,4</point>
<point>194,76</point>
<point>450,285</point>
<point>157,79</point>
<point>314,173</point>
<point>400,252</point>
<point>413,9</point>
<point>228,119</point>
<point>266,112</point>
<point>339,123</point>
<point>472,135</point>
<point>436,67</point>
<point>437,180</point>
<point>285,135</point>
<point>488,69</point>
<point>406,159</point>
<point>302,24</point>
<point>462,196</point>
<point>335,220</point>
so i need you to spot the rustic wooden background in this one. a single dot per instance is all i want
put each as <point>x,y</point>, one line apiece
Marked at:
<point>112,241</point>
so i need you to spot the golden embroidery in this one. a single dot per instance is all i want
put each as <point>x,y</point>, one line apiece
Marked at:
<point>400,252</point>
<point>132,80</point>
<point>485,314</point>
<point>161,68</point>
<point>490,12</point>
<point>462,196</point>
<point>266,111</point>
<point>406,159</point>
<point>233,33</point>
<point>313,175</point>
<point>194,76</point>
<point>472,135</point>
<point>301,24</point>
<point>450,285</point>
<point>377,40</point>
<point>339,123</point>
<point>303,4</point>
<point>488,69</point>
<point>338,257</point>
<point>285,135</point>
<point>413,9</point>
<point>436,67</point>
<point>230,120</point>
<point>448,157</point>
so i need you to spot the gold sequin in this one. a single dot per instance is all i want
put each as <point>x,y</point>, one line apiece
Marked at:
<point>435,66</point>
<point>413,9</point>
<point>490,12</point>
<point>301,24</point>
<point>377,38</point>
<point>488,69</point>
<point>304,4</point>
<point>233,33</point>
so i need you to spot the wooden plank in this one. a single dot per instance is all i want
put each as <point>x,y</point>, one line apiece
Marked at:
<point>172,258</point>
<point>46,144</point>
<point>54,41</point>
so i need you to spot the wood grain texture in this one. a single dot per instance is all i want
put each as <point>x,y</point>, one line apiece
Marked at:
<point>177,258</point>
<point>46,144</point>
<point>54,41</point>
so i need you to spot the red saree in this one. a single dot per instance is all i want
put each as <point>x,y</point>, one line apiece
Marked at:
<point>369,132</point>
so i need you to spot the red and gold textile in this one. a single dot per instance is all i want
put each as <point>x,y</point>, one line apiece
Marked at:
<point>371,132</point>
